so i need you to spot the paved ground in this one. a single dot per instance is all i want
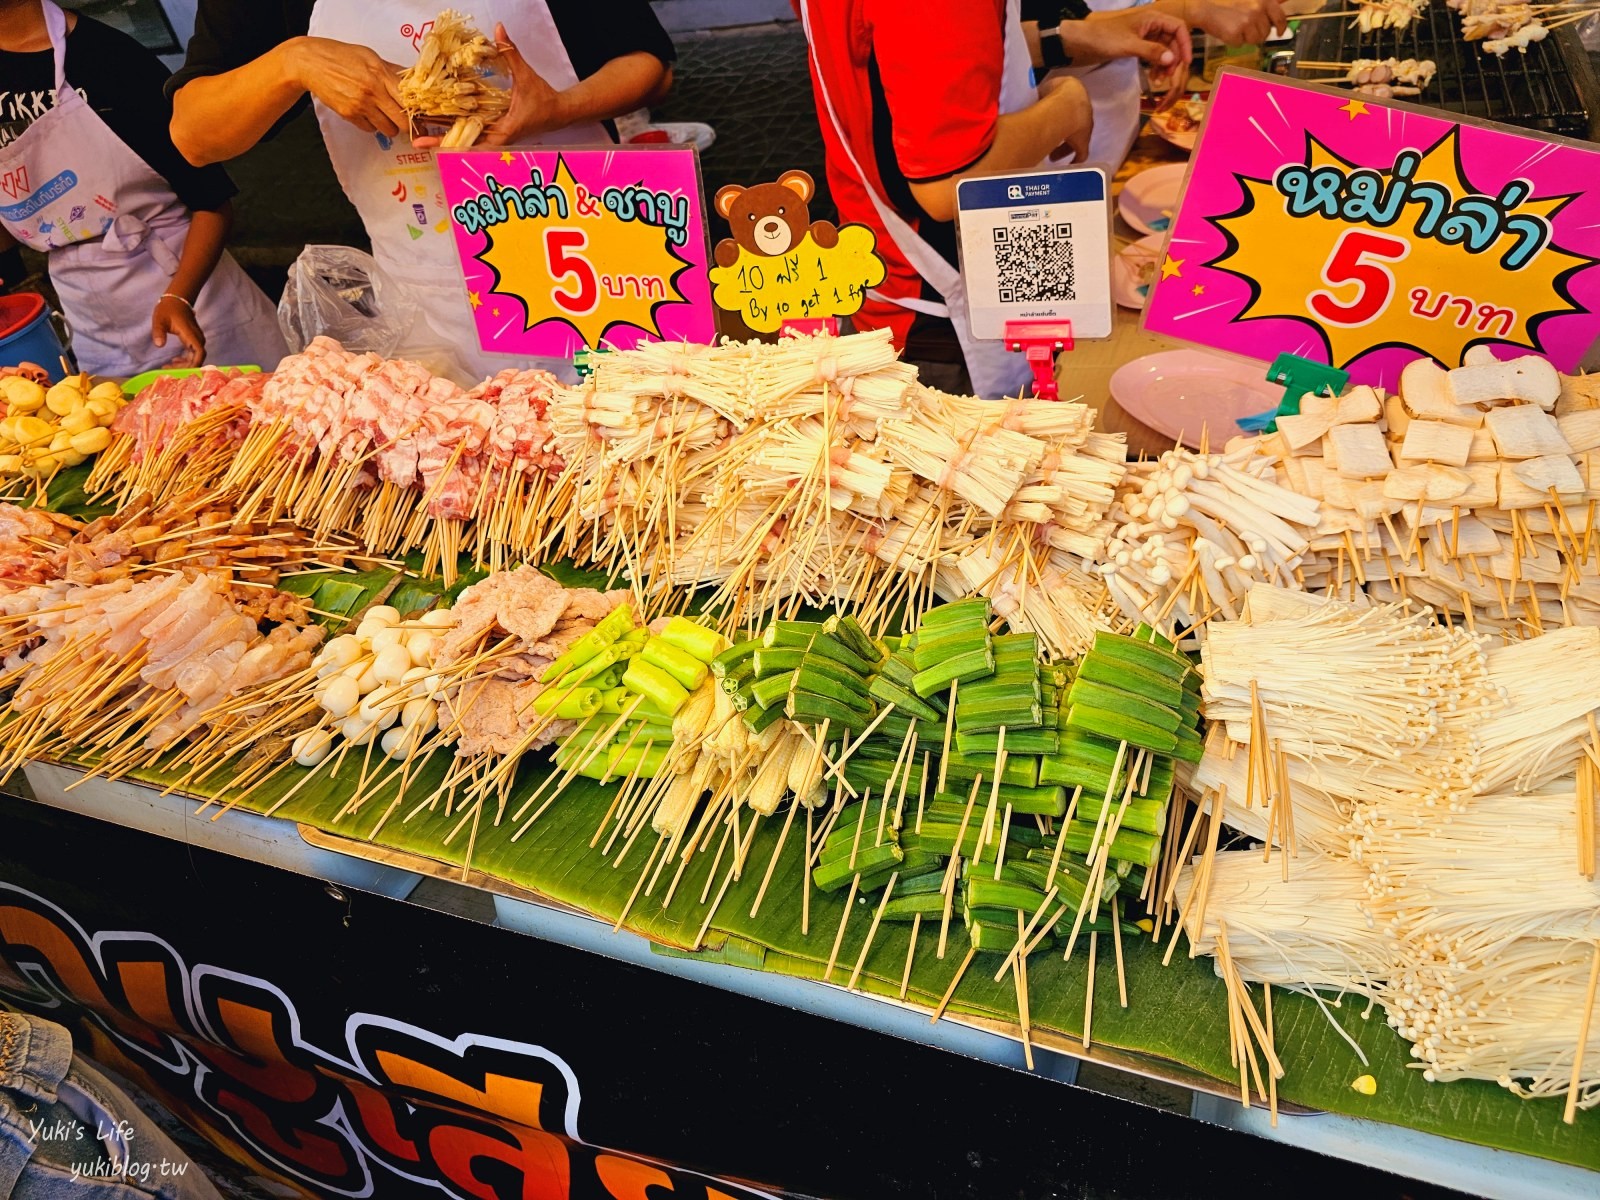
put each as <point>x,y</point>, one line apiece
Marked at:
<point>685,16</point>
<point>754,89</point>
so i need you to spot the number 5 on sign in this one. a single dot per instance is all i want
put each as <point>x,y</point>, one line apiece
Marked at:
<point>561,253</point>
<point>1358,260</point>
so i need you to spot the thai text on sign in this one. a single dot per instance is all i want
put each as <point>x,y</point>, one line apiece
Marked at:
<point>562,250</point>
<point>1366,234</point>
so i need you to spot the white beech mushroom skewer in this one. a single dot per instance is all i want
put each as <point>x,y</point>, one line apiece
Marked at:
<point>1195,531</point>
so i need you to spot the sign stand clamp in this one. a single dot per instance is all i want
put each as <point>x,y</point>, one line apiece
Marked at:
<point>1298,377</point>
<point>1040,342</point>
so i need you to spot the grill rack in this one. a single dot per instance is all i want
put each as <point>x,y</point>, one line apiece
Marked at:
<point>1550,89</point>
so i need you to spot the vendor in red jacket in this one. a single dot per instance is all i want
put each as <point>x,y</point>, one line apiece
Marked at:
<point>910,98</point>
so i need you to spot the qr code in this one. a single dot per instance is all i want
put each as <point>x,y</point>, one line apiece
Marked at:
<point>1034,262</point>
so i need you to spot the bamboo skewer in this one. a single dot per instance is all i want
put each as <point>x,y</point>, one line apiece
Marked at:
<point>1088,989</point>
<point>844,919</point>
<point>952,872</point>
<point>872,932</point>
<point>776,851</point>
<point>1569,1114</point>
<point>1116,941</point>
<point>1272,1052</point>
<point>1020,976</point>
<point>911,950</point>
<point>949,993</point>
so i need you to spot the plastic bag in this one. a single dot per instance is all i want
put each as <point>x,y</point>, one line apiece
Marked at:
<point>342,293</point>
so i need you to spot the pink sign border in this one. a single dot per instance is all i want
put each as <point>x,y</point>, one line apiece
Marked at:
<point>1565,338</point>
<point>673,169</point>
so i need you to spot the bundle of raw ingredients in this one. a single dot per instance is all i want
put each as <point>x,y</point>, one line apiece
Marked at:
<point>195,531</point>
<point>450,82</point>
<point>1196,530</point>
<point>814,470</point>
<point>486,680</point>
<point>48,428</point>
<point>377,685</point>
<point>818,471</point>
<point>399,457</point>
<point>179,433</point>
<point>968,774</point>
<point>30,538</point>
<point>126,668</point>
<point>1472,490</point>
<point>1452,878</point>
<point>1089,744</point>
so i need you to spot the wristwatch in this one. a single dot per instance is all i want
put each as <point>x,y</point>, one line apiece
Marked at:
<point>1051,48</point>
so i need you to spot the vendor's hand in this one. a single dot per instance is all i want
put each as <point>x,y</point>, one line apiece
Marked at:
<point>1145,33</point>
<point>536,107</point>
<point>1073,115</point>
<point>174,317</point>
<point>1237,22</point>
<point>352,81</point>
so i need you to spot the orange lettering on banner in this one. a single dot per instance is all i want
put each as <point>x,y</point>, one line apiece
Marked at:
<point>512,1099</point>
<point>326,1157</point>
<point>250,1028</point>
<point>540,1159</point>
<point>56,949</point>
<point>378,1124</point>
<point>263,1064</point>
<point>147,987</point>
<point>628,1179</point>
<point>18,925</point>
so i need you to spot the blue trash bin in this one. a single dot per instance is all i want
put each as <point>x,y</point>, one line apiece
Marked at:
<point>26,334</point>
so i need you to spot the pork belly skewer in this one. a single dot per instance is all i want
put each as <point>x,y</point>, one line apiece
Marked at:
<point>1382,78</point>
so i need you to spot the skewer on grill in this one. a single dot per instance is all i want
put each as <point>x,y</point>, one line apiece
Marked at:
<point>1373,17</point>
<point>1395,77</point>
<point>1571,16</point>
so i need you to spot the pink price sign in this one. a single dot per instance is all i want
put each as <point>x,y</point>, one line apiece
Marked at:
<point>567,249</point>
<point>1364,234</point>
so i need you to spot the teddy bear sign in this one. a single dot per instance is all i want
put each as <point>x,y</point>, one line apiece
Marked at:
<point>780,265</point>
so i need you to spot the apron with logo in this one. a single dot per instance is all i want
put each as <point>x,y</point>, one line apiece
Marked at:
<point>114,231</point>
<point>995,372</point>
<point>396,188</point>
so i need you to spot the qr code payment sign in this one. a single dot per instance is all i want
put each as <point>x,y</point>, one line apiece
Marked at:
<point>1034,262</point>
<point>1037,247</point>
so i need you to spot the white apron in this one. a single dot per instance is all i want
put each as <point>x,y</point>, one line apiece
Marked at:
<point>995,371</point>
<point>1114,90</point>
<point>396,188</point>
<point>114,230</point>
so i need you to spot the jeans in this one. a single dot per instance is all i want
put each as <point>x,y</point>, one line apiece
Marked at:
<point>68,1133</point>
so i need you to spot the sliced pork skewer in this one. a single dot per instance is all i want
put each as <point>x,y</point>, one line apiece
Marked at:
<point>1388,14</point>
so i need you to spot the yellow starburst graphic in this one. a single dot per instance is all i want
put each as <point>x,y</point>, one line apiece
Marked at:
<point>590,269</point>
<point>1405,283</point>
